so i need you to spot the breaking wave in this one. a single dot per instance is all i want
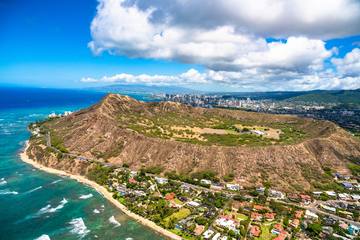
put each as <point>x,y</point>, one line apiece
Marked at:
<point>3,181</point>
<point>86,196</point>
<point>33,190</point>
<point>8,192</point>
<point>114,221</point>
<point>96,211</point>
<point>43,237</point>
<point>79,227</point>
<point>49,209</point>
<point>56,181</point>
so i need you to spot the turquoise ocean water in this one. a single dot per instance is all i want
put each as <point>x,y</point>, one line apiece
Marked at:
<point>38,205</point>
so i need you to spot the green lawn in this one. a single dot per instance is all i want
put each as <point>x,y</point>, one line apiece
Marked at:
<point>183,235</point>
<point>238,216</point>
<point>265,232</point>
<point>160,125</point>
<point>181,214</point>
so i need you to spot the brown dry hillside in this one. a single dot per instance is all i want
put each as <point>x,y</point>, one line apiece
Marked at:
<point>121,130</point>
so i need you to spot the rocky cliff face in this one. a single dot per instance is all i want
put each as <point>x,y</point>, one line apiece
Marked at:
<point>96,132</point>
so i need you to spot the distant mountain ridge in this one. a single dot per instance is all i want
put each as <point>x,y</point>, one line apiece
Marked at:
<point>330,96</point>
<point>145,89</point>
<point>318,96</point>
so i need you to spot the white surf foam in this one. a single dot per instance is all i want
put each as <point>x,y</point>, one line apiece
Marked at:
<point>96,211</point>
<point>33,190</point>
<point>3,181</point>
<point>56,181</point>
<point>79,227</point>
<point>114,221</point>
<point>49,209</point>
<point>43,237</point>
<point>8,192</point>
<point>86,196</point>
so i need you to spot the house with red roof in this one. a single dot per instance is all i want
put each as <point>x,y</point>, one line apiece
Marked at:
<point>255,231</point>
<point>299,214</point>
<point>256,216</point>
<point>270,216</point>
<point>170,196</point>
<point>295,223</point>
<point>305,199</point>
<point>259,208</point>
<point>277,229</point>
<point>132,180</point>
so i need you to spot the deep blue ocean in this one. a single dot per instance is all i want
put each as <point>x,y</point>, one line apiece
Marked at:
<point>38,205</point>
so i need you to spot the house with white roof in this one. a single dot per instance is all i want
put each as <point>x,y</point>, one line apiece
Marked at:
<point>205,181</point>
<point>233,187</point>
<point>161,180</point>
<point>208,233</point>
<point>311,215</point>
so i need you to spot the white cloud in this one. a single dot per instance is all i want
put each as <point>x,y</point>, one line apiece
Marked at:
<point>128,30</point>
<point>350,64</point>
<point>267,18</point>
<point>244,80</point>
<point>191,76</point>
<point>228,38</point>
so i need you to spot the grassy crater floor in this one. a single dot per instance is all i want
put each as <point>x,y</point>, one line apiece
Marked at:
<point>207,129</point>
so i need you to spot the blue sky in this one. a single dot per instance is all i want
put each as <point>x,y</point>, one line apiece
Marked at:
<point>46,43</point>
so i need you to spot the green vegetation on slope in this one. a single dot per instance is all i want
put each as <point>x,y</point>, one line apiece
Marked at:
<point>58,143</point>
<point>206,129</point>
<point>351,97</point>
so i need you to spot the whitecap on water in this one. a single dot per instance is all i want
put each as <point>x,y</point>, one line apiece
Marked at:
<point>33,190</point>
<point>8,192</point>
<point>114,221</point>
<point>49,209</point>
<point>3,181</point>
<point>43,237</point>
<point>56,181</point>
<point>86,196</point>
<point>79,227</point>
<point>96,211</point>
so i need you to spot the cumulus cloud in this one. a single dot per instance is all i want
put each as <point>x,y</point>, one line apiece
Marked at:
<point>245,80</point>
<point>229,38</point>
<point>128,30</point>
<point>191,76</point>
<point>350,64</point>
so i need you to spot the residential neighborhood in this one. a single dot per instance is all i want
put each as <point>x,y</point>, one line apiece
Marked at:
<point>200,208</point>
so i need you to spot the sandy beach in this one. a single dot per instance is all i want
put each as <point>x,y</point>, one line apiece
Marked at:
<point>103,191</point>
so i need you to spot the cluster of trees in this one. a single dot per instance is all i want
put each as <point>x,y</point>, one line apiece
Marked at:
<point>100,174</point>
<point>152,169</point>
<point>217,200</point>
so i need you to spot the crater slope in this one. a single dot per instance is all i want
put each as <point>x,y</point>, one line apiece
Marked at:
<point>287,152</point>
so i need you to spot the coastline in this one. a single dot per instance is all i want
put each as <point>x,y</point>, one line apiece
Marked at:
<point>103,191</point>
